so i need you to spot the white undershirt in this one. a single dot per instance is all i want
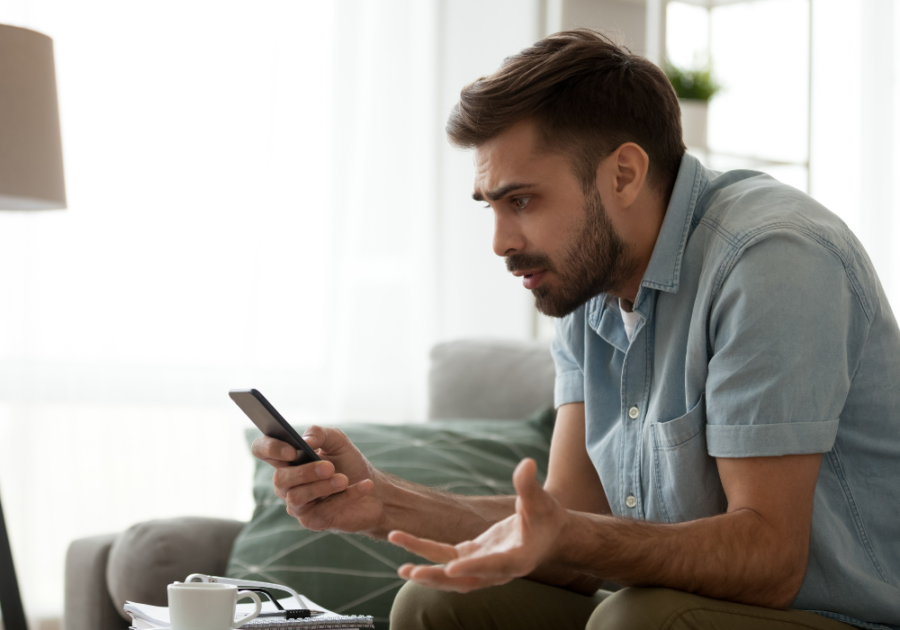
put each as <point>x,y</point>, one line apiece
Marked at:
<point>629,318</point>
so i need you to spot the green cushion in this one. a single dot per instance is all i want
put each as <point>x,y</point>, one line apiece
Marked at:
<point>353,574</point>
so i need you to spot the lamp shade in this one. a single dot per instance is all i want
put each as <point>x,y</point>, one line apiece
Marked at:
<point>31,167</point>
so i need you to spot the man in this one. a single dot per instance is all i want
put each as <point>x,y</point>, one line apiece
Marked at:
<point>727,443</point>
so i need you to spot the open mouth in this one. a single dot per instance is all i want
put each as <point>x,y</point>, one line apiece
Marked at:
<point>533,280</point>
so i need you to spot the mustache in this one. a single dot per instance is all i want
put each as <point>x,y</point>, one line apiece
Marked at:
<point>534,260</point>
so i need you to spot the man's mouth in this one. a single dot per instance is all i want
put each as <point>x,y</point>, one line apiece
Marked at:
<point>531,278</point>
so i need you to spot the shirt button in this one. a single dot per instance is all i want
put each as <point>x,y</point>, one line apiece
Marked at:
<point>631,501</point>
<point>634,412</point>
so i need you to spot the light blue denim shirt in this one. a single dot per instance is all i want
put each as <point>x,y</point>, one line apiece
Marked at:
<point>763,331</point>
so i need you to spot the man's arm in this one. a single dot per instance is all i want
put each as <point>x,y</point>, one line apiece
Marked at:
<point>344,492</point>
<point>755,553</point>
<point>572,478</point>
<point>573,481</point>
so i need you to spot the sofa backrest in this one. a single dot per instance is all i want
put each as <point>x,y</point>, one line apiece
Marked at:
<point>489,379</point>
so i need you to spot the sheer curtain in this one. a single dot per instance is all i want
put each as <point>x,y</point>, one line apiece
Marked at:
<point>259,195</point>
<point>237,218</point>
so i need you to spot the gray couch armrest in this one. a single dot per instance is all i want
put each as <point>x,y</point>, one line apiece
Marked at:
<point>490,379</point>
<point>87,603</point>
<point>148,556</point>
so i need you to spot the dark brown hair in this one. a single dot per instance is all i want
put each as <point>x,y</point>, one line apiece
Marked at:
<point>587,96</point>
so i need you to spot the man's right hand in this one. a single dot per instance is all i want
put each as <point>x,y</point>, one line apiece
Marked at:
<point>316,494</point>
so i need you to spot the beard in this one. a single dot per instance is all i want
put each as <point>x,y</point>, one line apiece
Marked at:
<point>595,261</point>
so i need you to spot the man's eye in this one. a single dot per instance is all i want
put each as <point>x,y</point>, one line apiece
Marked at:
<point>521,202</point>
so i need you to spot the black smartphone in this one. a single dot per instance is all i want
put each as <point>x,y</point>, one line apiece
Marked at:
<point>271,423</point>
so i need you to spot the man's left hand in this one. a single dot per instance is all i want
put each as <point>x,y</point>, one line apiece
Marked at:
<point>513,547</point>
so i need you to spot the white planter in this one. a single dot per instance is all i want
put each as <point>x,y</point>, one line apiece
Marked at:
<point>694,115</point>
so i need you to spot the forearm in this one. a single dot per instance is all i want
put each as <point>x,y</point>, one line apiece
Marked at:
<point>441,516</point>
<point>734,556</point>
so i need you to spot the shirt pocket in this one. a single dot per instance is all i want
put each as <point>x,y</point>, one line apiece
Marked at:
<point>685,477</point>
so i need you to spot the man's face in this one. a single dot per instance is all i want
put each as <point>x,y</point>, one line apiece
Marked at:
<point>557,238</point>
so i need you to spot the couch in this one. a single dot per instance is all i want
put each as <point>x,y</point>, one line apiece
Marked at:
<point>467,379</point>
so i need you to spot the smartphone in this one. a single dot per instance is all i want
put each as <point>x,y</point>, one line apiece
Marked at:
<point>272,424</point>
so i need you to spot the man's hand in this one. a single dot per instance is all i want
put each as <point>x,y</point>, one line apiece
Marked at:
<point>511,548</point>
<point>340,492</point>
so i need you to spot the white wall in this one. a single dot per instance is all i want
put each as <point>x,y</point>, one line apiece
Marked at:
<point>624,17</point>
<point>476,295</point>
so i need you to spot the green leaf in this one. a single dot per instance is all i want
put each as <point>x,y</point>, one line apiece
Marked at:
<point>695,84</point>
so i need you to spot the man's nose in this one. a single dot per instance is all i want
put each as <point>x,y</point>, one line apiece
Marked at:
<point>508,238</point>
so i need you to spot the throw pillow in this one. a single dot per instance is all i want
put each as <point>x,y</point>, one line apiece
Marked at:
<point>353,574</point>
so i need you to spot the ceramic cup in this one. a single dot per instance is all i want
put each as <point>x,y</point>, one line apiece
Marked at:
<point>202,606</point>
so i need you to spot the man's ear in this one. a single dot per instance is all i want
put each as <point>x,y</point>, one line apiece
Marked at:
<point>624,171</point>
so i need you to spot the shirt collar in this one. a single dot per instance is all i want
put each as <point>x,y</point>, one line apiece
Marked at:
<point>665,263</point>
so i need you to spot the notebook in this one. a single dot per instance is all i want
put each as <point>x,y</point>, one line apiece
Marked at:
<point>145,617</point>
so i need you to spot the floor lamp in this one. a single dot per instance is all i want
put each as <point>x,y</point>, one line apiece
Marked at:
<point>31,178</point>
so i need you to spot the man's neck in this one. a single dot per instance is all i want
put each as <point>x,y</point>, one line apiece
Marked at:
<point>641,224</point>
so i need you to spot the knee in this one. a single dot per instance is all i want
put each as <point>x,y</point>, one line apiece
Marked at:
<point>424,608</point>
<point>635,609</point>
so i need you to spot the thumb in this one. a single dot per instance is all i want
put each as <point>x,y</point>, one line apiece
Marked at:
<point>531,494</point>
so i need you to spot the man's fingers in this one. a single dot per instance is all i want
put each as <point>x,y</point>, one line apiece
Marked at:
<point>487,566</point>
<point>428,549</point>
<point>314,436</point>
<point>321,515</point>
<point>299,496</point>
<point>274,452</point>
<point>531,494</point>
<point>288,477</point>
<point>333,442</point>
<point>496,557</point>
<point>433,576</point>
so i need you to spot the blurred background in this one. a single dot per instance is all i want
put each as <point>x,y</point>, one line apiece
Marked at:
<point>260,195</point>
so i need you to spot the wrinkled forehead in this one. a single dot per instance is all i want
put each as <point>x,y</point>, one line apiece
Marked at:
<point>510,156</point>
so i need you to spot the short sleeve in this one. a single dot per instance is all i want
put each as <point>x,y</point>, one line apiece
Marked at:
<point>569,387</point>
<point>785,333</point>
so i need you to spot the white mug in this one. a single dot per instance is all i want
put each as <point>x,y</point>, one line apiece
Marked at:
<point>202,606</point>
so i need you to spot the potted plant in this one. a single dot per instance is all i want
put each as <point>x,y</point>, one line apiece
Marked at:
<point>694,89</point>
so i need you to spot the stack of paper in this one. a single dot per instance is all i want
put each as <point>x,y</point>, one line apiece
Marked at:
<point>146,617</point>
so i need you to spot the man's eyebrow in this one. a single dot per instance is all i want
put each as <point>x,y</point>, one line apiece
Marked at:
<point>499,193</point>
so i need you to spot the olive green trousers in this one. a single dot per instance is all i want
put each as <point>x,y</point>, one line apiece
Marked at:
<point>526,605</point>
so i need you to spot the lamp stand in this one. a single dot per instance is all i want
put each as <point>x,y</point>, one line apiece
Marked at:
<point>10,600</point>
